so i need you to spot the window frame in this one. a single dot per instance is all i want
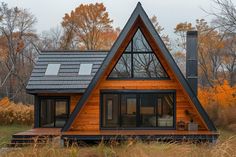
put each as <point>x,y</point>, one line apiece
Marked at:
<point>132,63</point>
<point>54,98</point>
<point>138,123</point>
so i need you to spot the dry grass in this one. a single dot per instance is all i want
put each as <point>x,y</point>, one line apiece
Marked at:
<point>225,147</point>
<point>11,113</point>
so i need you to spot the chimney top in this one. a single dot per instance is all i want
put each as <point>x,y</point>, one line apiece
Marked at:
<point>195,33</point>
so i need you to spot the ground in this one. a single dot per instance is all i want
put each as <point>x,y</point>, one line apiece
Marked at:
<point>225,146</point>
<point>7,130</point>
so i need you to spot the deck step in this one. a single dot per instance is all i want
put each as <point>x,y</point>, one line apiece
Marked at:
<point>27,140</point>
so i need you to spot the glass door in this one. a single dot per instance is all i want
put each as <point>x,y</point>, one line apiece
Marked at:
<point>54,112</point>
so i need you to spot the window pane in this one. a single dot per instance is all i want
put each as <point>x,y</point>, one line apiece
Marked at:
<point>128,110</point>
<point>61,113</point>
<point>165,104</point>
<point>139,42</point>
<point>47,113</point>
<point>54,112</point>
<point>110,110</point>
<point>128,49</point>
<point>146,65</point>
<point>122,68</point>
<point>147,110</point>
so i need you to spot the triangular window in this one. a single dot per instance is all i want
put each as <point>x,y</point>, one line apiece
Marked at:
<point>138,61</point>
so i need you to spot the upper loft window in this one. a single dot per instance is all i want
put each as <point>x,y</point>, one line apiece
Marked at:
<point>85,69</point>
<point>138,61</point>
<point>52,69</point>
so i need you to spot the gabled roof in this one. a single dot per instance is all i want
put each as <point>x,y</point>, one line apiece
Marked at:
<point>67,80</point>
<point>139,12</point>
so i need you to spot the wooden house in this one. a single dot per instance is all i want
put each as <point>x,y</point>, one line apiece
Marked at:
<point>135,90</point>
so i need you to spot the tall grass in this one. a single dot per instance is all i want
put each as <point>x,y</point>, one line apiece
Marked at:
<point>132,148</point>
<point>11,113</point>
<point>224,147</point>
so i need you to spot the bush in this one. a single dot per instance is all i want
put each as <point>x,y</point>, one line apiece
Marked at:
<point>220,103</point>
<point>11,113</point>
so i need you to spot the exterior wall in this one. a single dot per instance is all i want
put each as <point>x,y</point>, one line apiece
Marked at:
<point>88,117</point>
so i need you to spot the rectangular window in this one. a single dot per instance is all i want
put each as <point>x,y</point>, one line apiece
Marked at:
<point>109,109</point>
<point>147,110</point>
<point>138,110</point>
<point>128,110</point>
<point>54,112</point>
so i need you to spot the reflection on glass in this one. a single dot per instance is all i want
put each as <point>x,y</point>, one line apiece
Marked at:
<point>165,110</point>
<point>147,110</point>
<point>122,68</point>
<point>128,111</point>
<point>138,61</point>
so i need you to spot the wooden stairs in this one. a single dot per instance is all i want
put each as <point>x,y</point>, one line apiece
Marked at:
<point>30,140</point>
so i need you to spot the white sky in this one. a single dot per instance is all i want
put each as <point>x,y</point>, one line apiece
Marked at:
<point>49,13</point>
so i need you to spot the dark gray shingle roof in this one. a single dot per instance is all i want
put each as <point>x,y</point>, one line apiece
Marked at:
<point>67,79</point>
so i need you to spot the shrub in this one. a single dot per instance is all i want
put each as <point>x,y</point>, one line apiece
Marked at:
<point>220,103</point>
<point>11,113</point>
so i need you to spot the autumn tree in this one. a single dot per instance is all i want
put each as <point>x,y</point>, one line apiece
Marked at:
<point>16,36</point>
<point>88,27</point>
<point>180,30</point>
<point>224,15</point>
<point>210,49</point>
<point>51,39</point>
<point>160,30</point>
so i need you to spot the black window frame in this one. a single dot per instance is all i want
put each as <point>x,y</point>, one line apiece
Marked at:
<point>40,98</point>
<point>138,93</point>
<point>132,63</point>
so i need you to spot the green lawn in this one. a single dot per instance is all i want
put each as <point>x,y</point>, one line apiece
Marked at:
<point>7,130</point>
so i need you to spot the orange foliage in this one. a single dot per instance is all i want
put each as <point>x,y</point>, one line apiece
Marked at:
<point>223,95</point>
<point>91,26</point>
<point>11,113</point>
<point>220,103</point>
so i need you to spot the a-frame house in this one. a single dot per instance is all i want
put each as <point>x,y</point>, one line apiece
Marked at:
<point>135,89</point>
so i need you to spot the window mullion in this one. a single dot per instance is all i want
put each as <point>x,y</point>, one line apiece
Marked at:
<point>132,62</point>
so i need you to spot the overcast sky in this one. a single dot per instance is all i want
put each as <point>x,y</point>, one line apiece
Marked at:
<point>49,13</point>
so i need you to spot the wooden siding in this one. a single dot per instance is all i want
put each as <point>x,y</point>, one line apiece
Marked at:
<point>88,118</point>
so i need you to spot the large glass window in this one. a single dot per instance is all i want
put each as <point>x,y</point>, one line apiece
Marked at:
<point>144,110</point>
<point>54,112</point>
<point>138,61</point>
